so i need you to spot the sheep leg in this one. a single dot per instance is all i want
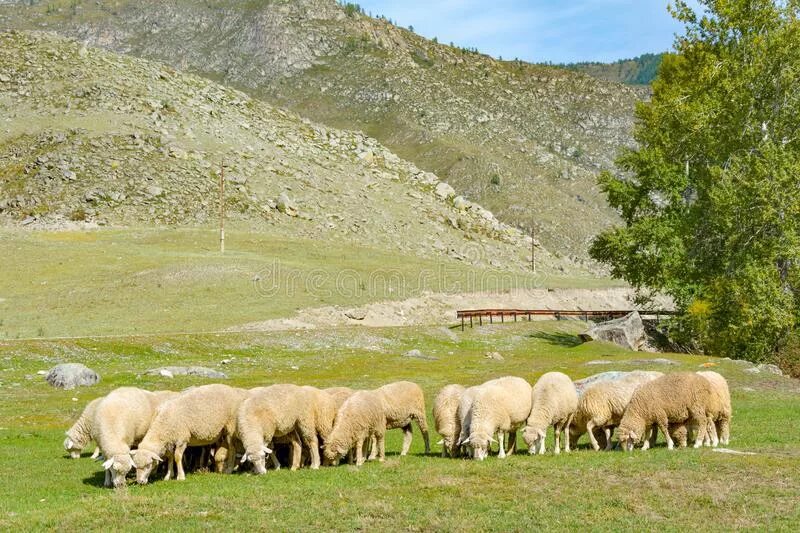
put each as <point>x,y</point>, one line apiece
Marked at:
<point>501,443</point>
<point>381,442</point>
<point>170,466</point>
<point>653,436</point>
<point>592,438</point>
<point>96,452</point>
<point>407,436</point>
<point>712,439</point>
<point>608,432</point>
<point>373,447</point>
<point>297,452</point>
<point>567,434</point>
<point>663,426</point>
<point>557,428</point>
<point>360,452</point>
<point>108,483</point>
<point>179,449</point>
<point>422,422</point>
<point>542,445</point>
<point>511,443</point>
<point>724,429</point>
<point>702,428</point>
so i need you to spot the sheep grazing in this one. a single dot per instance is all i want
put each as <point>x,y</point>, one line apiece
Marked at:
<point>445,417</point>
<point>279,411</point>
<point>676,397</point>
<point>404,402</point>
<point>719,413</point>
<point>499,406</point>
<point>464,420</point>
<point>199,416</point>
<point>602,405</point>
<point>554,402</point>
<point>339,395</point>
<point>121,420</point>
<point>80,434</point>
<point>361,417</point>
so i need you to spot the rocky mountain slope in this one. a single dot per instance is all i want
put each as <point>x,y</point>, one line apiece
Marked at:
<point>90,136</point>
<point>525,141</point>
<point>640,70</point>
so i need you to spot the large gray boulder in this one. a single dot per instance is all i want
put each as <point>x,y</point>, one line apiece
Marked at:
<point>627,332</point>
<point>583,384</point>
<point>70,375</point>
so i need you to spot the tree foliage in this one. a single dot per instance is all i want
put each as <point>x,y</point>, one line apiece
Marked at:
<point>711,196</point>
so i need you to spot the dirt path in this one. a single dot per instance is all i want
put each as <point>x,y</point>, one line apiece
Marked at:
<point>441,308</point>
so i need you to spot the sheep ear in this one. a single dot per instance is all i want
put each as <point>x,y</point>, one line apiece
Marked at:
<point>70,444</point>
<point>133,452</point>
<point>244,459</point>
<point>108,464</point>
<point>440,442</point>
<point>266,450</point>
<point>211,452</point>
<point>156,458</point>
<point>493,440</point>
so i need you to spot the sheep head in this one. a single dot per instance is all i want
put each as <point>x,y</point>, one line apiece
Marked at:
<point>258,458</point>
<point>628,439</point>
<point>73,448</point>
<point>119,466</point>
<point>532,436</point>
<point>145,462</point>
<point>481,445</point>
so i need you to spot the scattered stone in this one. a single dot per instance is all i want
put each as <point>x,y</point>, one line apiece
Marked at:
<point>599,362</point>
<point>445,191</point>
<point>770,369</point>
<point>70,375</point>
<point>627,332</point>
<point>226,361</point>
<point>731,452</point>
<point>286,206</point>
<point>752,370</point>
<point>416,354</point>
<point>4,78</point>
<point>747,389</point>
<point>198,371</point>
<point>656,361</point>
<point>28,220</point>
<point>43,372</point>
<point>495,356</point>
<point>153,191</point>
<point>356,314</point>
<point>460,203</point>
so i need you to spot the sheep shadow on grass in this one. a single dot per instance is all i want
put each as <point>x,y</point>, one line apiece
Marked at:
<point>567,340</point>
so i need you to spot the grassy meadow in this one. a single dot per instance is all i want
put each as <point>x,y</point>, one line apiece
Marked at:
<point>678,490</point>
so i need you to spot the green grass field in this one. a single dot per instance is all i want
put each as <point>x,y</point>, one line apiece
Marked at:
<point>140,280</point>
<point>679,490</point>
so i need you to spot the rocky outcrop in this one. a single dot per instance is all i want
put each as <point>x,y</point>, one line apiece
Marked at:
<point>627,332</point>
<point>70,375</point>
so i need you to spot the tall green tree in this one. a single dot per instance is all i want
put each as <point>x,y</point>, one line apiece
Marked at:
<point>711,196</point>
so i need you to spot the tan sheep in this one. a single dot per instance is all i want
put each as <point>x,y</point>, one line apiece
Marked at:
<point>674,397</point>
<point>445,417</point>
<point>80,434</point>
<point>404,402</point>
<point>361,417</point>
<point>121,420</point>
<point>279,411</point>
<point>602,405</point>
<point>499,406</point>
<point>339,395</point>
<point>720,413</point>
<point>554,401</point>
<point>199,416</point>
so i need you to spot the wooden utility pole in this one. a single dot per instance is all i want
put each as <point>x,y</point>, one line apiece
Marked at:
<point>222,208</point>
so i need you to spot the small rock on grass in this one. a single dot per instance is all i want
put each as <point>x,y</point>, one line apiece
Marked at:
<point>495,356</point>
<point>70,375</point>
<point>416,354</point>
<point>199,371</point>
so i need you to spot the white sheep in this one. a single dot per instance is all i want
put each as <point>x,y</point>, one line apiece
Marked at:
<point>672,398</point>
<point>80,434</point>
<point>602,405</point>
<point>404,402</point>
<point>121,420</point>
<point>719,413</point>
<point>499,406</point>
<point>279,411</point>
<point>445,417</point>
<point>361,417</point>
<point>199,416</point>
<point>464,420</point>
<point>554,402</point>
<point>339,395</point>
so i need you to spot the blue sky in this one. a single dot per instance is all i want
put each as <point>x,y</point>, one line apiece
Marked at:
<point>540,30</point>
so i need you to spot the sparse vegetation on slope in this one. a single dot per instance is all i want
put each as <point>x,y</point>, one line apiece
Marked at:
<point>640,70</point>
<point>545,132</point>
<point>87,135</point>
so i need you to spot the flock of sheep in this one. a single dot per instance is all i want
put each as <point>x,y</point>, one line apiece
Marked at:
<point>223,427</point>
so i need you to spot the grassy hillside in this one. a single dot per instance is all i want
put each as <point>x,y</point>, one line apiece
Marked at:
<point>658,489</point>
<point>640,70</point>
<point>87,136</point>
<point>525,141</point>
